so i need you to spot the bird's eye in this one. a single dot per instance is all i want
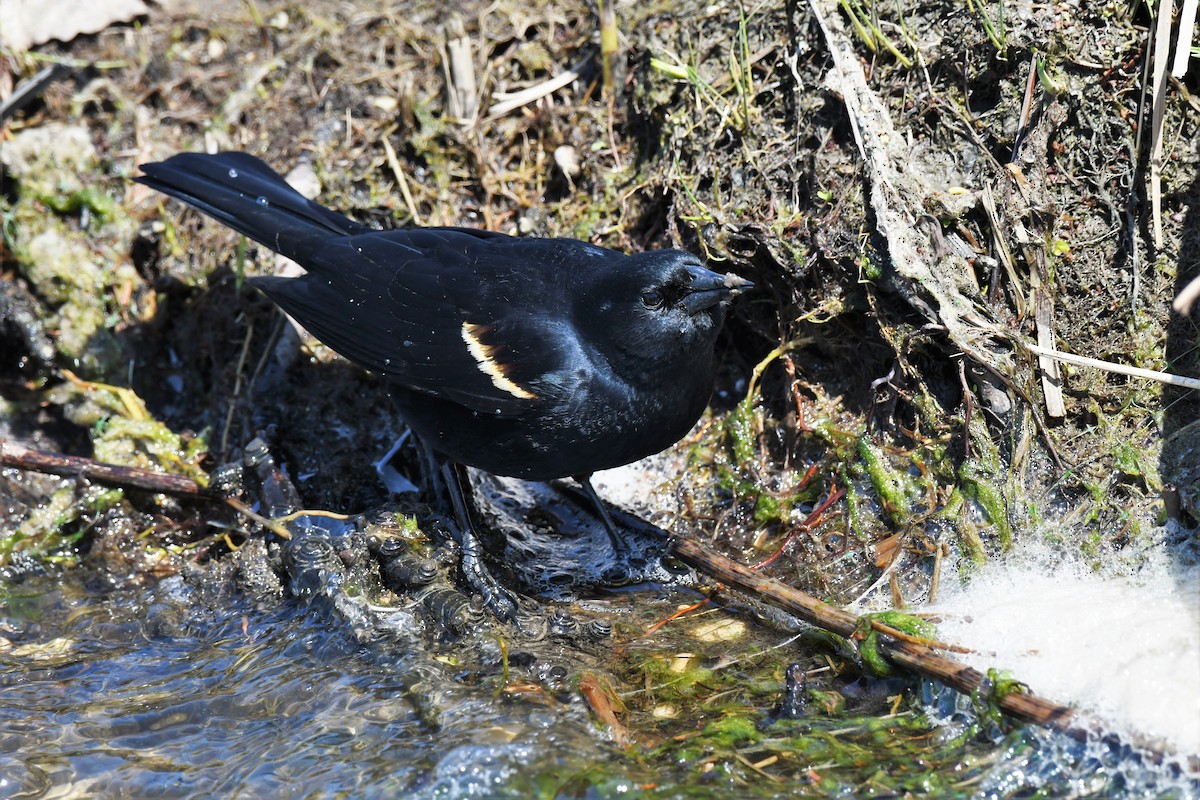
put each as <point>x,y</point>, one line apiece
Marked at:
<point>652,299</point>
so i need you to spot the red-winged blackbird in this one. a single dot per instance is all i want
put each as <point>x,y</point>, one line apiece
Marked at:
<point>532,358</point>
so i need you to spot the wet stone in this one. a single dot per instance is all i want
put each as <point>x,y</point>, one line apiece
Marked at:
<point>452,610</point>
<point>407,572</point>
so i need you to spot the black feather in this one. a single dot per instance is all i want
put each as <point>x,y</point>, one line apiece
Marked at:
<point>536,358</point>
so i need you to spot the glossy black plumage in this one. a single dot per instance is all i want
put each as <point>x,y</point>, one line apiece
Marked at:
<point>533,358</point>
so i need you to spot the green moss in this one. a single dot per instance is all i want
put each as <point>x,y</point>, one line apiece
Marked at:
<point>731,731</point>
<point>980,485</point>
<point>896,489</point>
<point>96,202</point>
<point>872,656</point>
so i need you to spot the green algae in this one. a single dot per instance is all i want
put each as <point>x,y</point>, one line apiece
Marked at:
<point>979,485</point>
<point>51,530</point>
<point>896,489</point>
<point>730,732</point>
<point>1000,684</point>
<point>873,658</point>
<point>123,434</point>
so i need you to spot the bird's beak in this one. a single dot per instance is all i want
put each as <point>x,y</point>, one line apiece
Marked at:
<point>710,288</point>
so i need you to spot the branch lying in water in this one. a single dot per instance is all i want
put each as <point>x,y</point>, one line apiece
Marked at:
<point>21,457</point>
<point>918,658</point>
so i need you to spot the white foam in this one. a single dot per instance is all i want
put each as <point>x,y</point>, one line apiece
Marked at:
<point>1123,644</point>
<point>638,486</point>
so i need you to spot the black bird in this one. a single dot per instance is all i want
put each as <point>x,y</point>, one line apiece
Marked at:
<point>531,358</point>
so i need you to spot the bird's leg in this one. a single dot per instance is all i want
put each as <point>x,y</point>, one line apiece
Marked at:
<point>498,600</point>
<point>622,569</point>
<point>620,546</point>
<point>432,482</point>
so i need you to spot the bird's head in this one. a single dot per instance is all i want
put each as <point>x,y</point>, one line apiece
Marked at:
<point>658,308</point>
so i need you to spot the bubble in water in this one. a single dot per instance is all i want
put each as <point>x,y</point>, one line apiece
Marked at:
<point>232,173</point>
<point>262,201</point>
<point>408,343</point>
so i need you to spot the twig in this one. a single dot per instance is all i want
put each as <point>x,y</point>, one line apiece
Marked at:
<point>609,44</point>
<point>1183,44</point>
<point>814,518</point>
<point>1039,283</point>
<point>402,180</point>
<point>276,526</point>
<point>1121,369</point>
<point>935,580</point>
<point>988,197</point>
<point>1162,47</point>
<point>968,406</point>
<point>525,96</point>
<point>1026,109</point>
<point>1187,297</point>
<point>21,457</point>
<point>29,90</point>
<point>1043,320</point>
<point>916,657</point>
<point>237,387</point>
<point>459,66</point>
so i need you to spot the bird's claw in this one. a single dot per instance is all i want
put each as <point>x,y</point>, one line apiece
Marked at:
<point>499,601</point>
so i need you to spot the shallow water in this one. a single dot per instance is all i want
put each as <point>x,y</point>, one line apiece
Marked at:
<point>144,691</point>
<point>108,693</point>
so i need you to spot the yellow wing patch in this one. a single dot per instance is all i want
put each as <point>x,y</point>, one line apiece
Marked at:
<point>485,356</point>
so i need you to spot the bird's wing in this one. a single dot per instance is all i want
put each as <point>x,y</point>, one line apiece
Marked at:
<point>457,314</point>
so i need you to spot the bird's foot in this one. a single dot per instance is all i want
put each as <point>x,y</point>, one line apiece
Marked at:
<point>498,600</point>
<point>621,571</point>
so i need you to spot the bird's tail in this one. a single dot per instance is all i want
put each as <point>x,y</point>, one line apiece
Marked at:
<point>248,196</point>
